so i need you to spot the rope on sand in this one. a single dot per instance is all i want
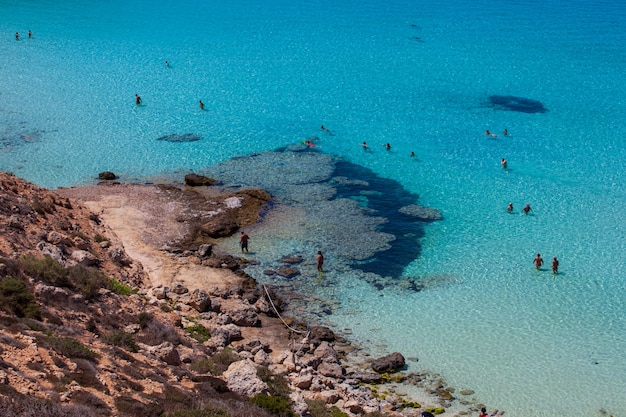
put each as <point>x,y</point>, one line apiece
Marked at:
<point>278,314</point>
<point>294,352</point>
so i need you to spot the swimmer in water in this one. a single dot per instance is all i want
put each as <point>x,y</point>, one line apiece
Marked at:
<point>137,100</point>
<point>488,133</point>
<point>201,105</point>
<point>503,163</point>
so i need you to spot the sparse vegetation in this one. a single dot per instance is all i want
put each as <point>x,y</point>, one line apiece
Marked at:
<point>122,339</point>
<point>207,412</point>
<point>120,288</point>
<point>199,332</point>
<point>278,406</point>
<point>45,269</point>
<point>317,408</point>
<point>99,238</point>
<point>220,362</point>
<point>17,405</point>
<point>144,318</point>
<point>71,348</point>
<point>277,384</point>
<point>88,281</point>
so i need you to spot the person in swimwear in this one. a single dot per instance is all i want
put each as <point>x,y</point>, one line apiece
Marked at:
<point>137,100</point>
<point>505,132</point>
<point>243,242</point>
<point>488,133</point>
<point>320,261</point>
<point>510,208</point>
<point>17,36</point>
<point>503,163</point>
<point>387,146</point>
<point>201,105</point>
<point>538,261</point>
<point>526,209</point>
<point>555,266</point>
<point>364,145</point>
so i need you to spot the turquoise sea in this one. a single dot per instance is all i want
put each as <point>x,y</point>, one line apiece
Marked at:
<point>428,77</point>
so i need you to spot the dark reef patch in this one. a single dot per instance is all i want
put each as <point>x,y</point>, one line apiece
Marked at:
<point>186,137</point>
<point>383,197</point>
<point>518,104</point>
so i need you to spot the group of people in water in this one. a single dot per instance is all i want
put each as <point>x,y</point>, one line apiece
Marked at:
<point>138,101</point>
<point>538,261</point>
<point>17,35</point>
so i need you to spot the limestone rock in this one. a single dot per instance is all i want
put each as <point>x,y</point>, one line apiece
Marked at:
<point>241,377</point>
<point>84,258</point>
<point>200,300</point>
<point>326,353</point>
<point>332,370</point>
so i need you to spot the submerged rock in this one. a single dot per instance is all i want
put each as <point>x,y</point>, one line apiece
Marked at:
<point>185,137</point>
<point>390,363</point>
<point>195,180</point>
<point>421,212</point>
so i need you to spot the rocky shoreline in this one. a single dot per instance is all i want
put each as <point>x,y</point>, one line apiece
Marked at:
<point>164,240</point>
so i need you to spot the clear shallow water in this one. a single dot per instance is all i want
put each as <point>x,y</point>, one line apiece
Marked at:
<point>271,73</point>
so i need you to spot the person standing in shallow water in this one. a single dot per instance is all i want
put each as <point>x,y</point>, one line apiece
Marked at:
<point>243,242</point>
<point>538,261</point>
<point>137,100</point>
<point>555,266</point>
<point>320,261</point>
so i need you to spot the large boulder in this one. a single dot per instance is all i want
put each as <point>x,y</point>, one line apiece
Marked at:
<point>390,363</point>
<point>322,333</point>
<point>241,377</point>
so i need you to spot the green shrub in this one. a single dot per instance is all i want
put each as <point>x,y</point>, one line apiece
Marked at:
<point>120,288</point>
<point>317,408</point>
<point>276,405</point>
<point>45,269</point>
<point>16,298</point>
<point>71,348</point>
<point>277,384</point>
<point>202,366</point>
<point>220,362</point>
<point>122,339</point>
<point>206,412</point>
<point>199,332</point>
<point>87,281</point>
<point>144,318</point>
<point>99,238</point>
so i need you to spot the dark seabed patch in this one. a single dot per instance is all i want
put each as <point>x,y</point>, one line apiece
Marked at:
<point>361,220</point>
<point>383,197</point>
<point>186,137</point>
<point>518,104</point>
